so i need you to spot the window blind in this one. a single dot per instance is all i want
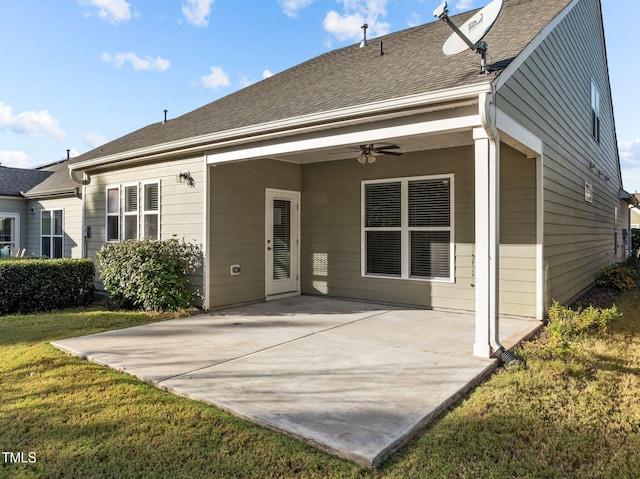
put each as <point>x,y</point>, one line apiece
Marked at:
<point>408,228</point>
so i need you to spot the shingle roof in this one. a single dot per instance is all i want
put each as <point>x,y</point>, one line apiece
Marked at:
<point>13,181</point>
<point>58,181</point>
<point>413,63</point>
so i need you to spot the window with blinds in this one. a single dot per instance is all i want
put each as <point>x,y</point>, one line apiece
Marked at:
<point>281,239</point>
<point>131,212</point>
<point>151,211</point>
<point>113,213</point>
<point>408,228</point>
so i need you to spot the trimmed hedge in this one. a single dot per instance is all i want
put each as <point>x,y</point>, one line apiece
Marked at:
<point>152,275</point>
<point>34,285</point>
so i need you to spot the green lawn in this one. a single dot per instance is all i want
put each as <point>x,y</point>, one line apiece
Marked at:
<point>575,417</point>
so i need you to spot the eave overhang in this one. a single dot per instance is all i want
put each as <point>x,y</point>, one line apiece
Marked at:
<point>292,127</point>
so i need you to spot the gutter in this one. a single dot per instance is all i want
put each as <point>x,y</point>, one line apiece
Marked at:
<point>488,123</point>
<point>66,191</point>
<point>286,127</point>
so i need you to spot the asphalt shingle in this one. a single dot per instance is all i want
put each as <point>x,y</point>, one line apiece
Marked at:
<point>14,181</point>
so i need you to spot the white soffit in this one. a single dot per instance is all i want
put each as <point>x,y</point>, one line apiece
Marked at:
<point>359,134</point>
<point>515,135</point>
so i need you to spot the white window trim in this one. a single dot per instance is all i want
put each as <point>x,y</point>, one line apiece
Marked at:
<point>142,200</point>
<point>108,215</point>
<point>123,210</point>
<point>16,236</point>
<point>405,229</point>
<point>50,233</point>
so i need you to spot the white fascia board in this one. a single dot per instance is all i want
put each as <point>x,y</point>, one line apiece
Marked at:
<point>364,135</point>
<point>527,142</point>
<point>316,121</point>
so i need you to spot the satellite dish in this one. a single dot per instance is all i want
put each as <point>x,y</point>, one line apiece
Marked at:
<point>474,29</point>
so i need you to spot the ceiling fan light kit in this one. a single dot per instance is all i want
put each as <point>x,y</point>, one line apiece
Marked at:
<point>368,152</point>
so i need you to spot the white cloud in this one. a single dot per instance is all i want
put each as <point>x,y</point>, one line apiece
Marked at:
<point>197,11</point>
<point>630,164</point>
<point>266,74</point>
<point>216,79</point>
<point>347,25</point>
<point>291,7</point>
<point>414,20</point>
<point>32,123</point>
<point>463,5</point>
<point>629,152</point>
<point>343,27</point>
<point>245,81</point>
<point>14,159</point>
<point>137,63</point>
<point>94,139</point>
<point>112,11</point>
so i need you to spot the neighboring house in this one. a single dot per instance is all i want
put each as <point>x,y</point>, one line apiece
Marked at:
<point>507,195</point>
<point>13,208</point>
<point>635,212</point>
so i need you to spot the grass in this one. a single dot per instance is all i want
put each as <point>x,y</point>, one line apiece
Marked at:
<point>577,415</point>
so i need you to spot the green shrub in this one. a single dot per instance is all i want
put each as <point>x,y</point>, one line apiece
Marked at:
<point>635,241</point>
<point>618,276</point>
<point>566,325</point>
<point>33,285</point>
<point>152,275</point>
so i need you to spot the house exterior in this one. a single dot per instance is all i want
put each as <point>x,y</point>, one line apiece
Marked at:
<point>13,207</point>
<point>508,192</point>
<point>635,212</point>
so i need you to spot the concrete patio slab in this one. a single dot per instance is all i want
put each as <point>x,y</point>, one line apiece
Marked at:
<point>356,379</point>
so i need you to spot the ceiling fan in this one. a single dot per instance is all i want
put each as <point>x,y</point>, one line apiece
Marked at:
<point>368,152</point>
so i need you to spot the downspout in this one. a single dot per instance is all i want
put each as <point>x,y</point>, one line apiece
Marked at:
<point>84,181</point>
<point>488,123</point>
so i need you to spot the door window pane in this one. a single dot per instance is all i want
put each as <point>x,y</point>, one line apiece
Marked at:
<point>281,239</point>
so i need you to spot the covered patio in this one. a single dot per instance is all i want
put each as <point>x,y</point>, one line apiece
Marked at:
<point>356,379</point>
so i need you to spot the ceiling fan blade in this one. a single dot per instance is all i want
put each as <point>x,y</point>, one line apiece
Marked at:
<point>391,153</point>
<point>388,147</point>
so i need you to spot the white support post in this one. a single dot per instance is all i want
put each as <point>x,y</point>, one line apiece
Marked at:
<point>487,239</point>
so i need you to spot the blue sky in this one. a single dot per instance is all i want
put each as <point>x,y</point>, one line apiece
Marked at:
<point>78,73</point>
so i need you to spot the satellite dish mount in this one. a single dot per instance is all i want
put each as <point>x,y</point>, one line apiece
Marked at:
<point>470,35</point>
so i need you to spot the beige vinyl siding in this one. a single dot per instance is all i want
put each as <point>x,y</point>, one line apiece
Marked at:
<point>71,207</point>
<point>331,231</point>
<point>550,94</point>
<point>181,206</point>
<point>517,233</point>
<point>238,226</point>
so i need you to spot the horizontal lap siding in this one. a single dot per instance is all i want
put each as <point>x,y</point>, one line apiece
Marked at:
<point>550,94</point>
<point>331,229</point>
<point>72,224</point>
<point>517,233</point>
<point>181,206</point>
<point>238,226</point>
